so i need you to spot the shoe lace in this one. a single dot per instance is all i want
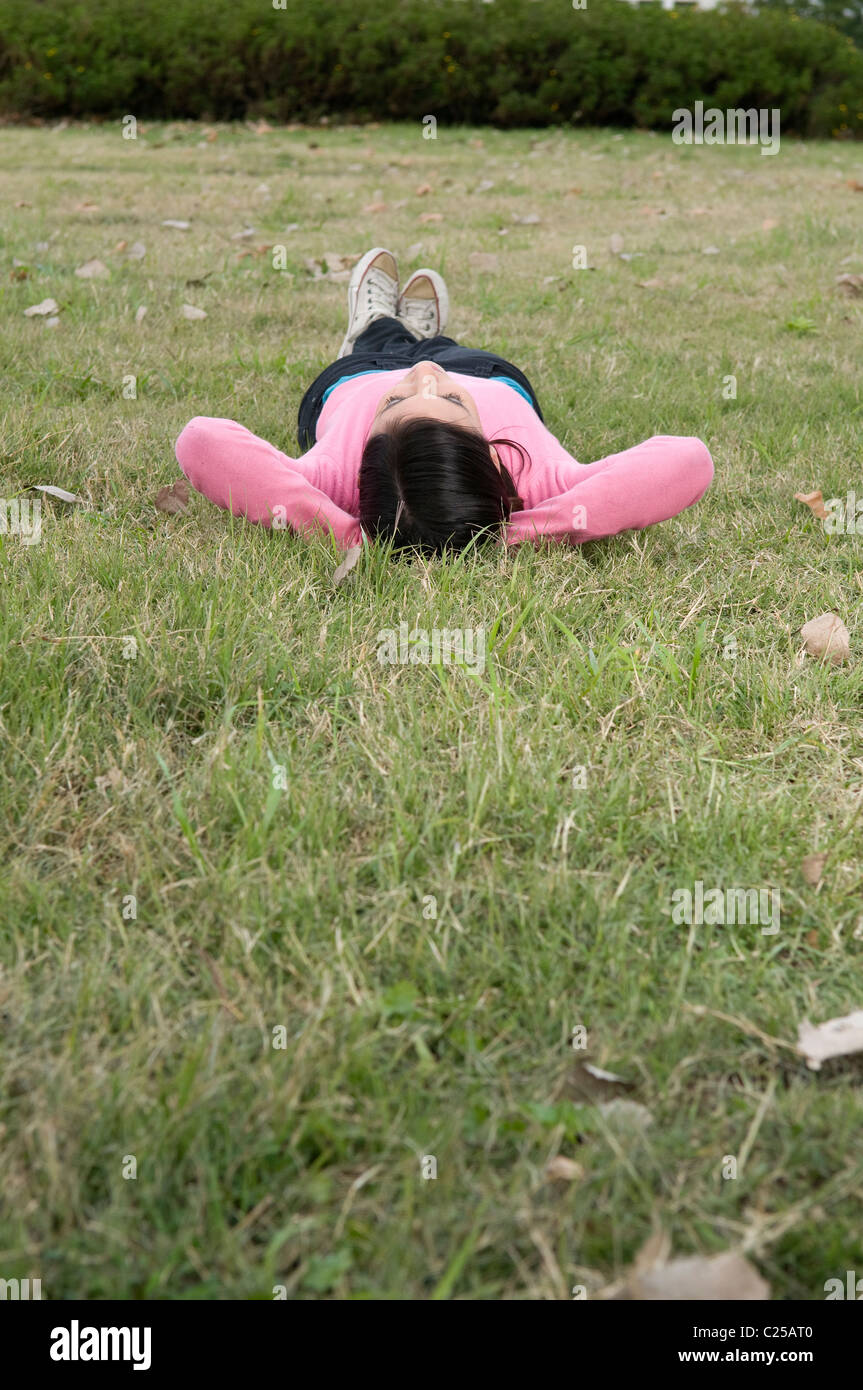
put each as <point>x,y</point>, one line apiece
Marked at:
<point>422,313</point>
<point>377,291</point>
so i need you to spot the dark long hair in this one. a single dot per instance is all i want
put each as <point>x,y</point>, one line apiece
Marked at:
<point>433,486</point>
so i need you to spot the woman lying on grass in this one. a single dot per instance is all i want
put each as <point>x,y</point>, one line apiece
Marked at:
<point>411,437</point>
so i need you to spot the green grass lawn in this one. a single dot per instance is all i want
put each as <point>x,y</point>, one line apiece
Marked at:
<point>433,902</point>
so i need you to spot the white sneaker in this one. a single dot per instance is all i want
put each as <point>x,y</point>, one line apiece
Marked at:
<point>373,293</point>
<point>423,304</point>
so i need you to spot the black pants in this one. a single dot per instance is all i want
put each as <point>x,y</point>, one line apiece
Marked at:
<point>386,345</point>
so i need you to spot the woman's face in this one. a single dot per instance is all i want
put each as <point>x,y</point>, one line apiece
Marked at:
<point>428,391</point>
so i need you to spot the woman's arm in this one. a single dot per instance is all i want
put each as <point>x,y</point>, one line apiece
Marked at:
<point>249,477</point>
<point>636,488</point>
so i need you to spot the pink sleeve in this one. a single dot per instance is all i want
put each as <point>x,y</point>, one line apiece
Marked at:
<point>636,488</point>
<point>244,474</point>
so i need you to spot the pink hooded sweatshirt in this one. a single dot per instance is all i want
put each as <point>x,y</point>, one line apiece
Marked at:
<point>563,500</point>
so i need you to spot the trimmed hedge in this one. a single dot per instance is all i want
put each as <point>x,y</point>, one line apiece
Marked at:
<point>504,63</point>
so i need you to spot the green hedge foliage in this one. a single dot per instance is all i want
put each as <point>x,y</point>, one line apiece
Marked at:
<point>504,62</point>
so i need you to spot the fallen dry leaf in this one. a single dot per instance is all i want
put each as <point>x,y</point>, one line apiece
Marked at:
<point>653,284</point>
<point>714,1278</point>
<point>242,256</point>
<point>120,246</point>
<point>814,501</point>
<point>376,207</point>
<point>22,204</point>
<point>850,284</point>
<point>652,1276</point>
<point>91,270</point>
<point>812,867</point>
<point>348,563</point>
<point>586,1082</point>
<point>838,1037</point>
<point>53,491</point>
<point>422,189</point>
<point>430,217</point>
<point>601,1075</point>
<point>190,312</point>
<point>484,261</point>
<point>562,1169</point>
<point>47,306</point>
<point>827,635</point>
<point>87,206</point>
<point>768,224</point>
<point>173,498</point>
<point>19,272</point>
<point>330,266</point>
<point>335,261</point>
<point>855,185</point>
